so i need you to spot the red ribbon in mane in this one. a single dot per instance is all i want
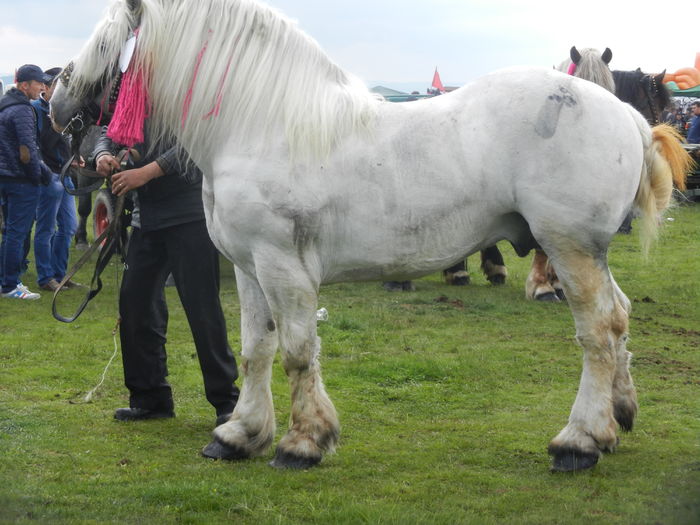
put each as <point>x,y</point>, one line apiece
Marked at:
<point>132,109</point>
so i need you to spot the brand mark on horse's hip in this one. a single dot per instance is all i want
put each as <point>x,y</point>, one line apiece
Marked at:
<point>548,117</point>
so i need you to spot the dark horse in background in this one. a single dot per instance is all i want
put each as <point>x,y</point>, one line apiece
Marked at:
<point>648,95</point>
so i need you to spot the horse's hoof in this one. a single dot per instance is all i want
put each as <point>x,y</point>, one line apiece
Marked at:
<point>497,279</point>
<point>218,450</point>
<point>571,460</point>
<point>289,460</point>
<point>460,281</point>
<point>624,415</point>
<point>560,294</point>
<point>549,297</point>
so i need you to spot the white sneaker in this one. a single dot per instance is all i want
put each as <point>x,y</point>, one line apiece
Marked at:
<point>22,292</point>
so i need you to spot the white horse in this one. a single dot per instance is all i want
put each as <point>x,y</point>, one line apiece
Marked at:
<point>309,179</point>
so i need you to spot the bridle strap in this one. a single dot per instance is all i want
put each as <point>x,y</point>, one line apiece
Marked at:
<point>111,237</point>
<point>113,243</point>
<point>650,98</point>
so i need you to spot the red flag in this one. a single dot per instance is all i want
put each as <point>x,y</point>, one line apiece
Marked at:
<point>437,83</point>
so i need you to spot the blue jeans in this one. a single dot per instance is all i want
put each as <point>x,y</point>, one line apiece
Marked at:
<point>56,224</point>
<point>20,201</point>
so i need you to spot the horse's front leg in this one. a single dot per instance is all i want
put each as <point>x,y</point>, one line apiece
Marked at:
<point>251,429</point>
<point>457,274</point>
<point>313,428</point>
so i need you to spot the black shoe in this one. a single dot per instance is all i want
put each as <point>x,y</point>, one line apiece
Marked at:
<point>137,414</point>
<point>223,418</point>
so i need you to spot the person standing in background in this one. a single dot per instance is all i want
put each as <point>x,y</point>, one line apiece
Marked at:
<point>56,220</point>
<point>21,172</point>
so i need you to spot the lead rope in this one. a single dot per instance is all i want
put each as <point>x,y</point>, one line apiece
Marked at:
<point>115,331</point>
<point>88,396</point>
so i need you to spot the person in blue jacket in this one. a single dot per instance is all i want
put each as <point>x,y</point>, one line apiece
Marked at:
<point>21,173</point>
<point>694,130</point>
<point>56,218</point>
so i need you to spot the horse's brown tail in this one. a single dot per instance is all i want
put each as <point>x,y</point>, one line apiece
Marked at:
<point>666,164</point>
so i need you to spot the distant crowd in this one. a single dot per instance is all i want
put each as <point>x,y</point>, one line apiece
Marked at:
<point>685,120</point>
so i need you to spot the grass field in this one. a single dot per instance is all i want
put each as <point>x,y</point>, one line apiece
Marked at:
<point>446,409</point>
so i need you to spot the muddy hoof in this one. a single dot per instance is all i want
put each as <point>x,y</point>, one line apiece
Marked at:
<point>288,460</point>
<point>560,294</point>
<point>571,460</point>
<point>549,297</point>
<point>460,281</point>
<point>497,279</point>
<point>218,450</point>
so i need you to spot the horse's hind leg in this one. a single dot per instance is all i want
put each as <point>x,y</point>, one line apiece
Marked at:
<point>538,285</point>
<point>493,266</point>
<point>601,329</point>
<point>624,393</point>
<point>251,429</point>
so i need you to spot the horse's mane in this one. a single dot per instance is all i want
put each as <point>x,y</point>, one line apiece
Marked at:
<point>100,53</point>
<point>592,68</point>
<point>221,70</point>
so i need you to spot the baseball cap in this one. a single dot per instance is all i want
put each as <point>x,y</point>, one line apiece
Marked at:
<point>53,73</point>
<point>29,72</point>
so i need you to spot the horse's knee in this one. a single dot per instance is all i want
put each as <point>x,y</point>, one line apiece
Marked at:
<point>300,355</point>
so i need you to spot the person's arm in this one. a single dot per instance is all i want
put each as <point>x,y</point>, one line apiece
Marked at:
<point>125,181</point>
<point>104,151</point>
<point>26,132</point>
<point>176,162</point>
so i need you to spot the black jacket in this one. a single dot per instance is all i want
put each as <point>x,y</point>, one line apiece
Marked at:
<point>175,198</point>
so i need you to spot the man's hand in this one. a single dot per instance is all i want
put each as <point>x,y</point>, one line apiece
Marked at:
<point>128,180</point>
<point>78,163</point>
<point>107,164</point>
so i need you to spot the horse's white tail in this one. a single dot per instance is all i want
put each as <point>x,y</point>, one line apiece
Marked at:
<point>666,164</point>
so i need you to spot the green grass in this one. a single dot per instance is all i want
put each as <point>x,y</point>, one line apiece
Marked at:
<point>446,410</point>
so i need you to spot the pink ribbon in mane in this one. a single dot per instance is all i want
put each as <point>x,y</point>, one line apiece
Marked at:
<point>188,97</point>
<point>572,69</point>
<point>132,109</point>
<point>218,98</point>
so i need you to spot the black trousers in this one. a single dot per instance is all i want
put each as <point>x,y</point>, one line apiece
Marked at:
<point>187,251</point>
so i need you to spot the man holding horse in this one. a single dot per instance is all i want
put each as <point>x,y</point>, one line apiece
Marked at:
<point>169,235</point>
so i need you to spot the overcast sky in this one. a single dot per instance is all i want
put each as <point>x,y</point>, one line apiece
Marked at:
<point>402,41</point>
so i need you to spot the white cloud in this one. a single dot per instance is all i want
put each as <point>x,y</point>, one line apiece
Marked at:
<point>19,47</point>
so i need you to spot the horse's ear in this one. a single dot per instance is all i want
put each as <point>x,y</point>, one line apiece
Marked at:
<point>574,55</point>
<point>607,56</point>
<point>660,77</point>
